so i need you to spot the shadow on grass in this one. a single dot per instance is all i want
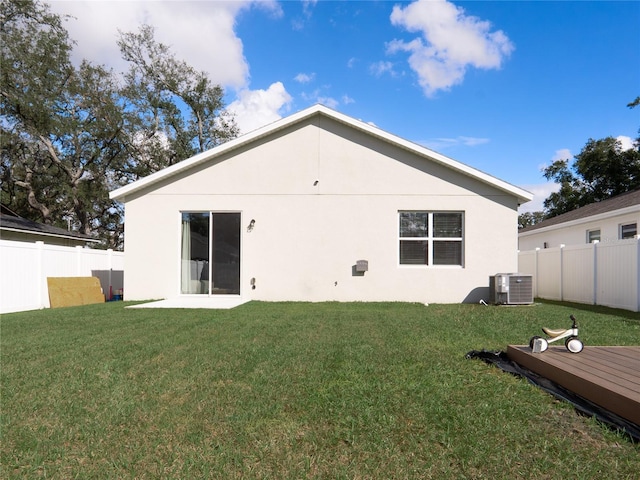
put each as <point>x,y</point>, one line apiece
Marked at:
<point>634,317</point>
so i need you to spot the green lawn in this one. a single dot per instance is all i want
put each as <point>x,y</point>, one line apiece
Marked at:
<point>295,390</point>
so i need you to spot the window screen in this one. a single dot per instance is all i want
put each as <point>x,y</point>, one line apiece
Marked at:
<point>593,235</point>
<point>430,238</point>
<point>628,231</point>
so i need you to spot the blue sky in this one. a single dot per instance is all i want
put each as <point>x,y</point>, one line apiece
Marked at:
<point>506,86</point>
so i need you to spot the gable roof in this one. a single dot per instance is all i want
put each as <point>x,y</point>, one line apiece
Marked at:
<point>22,225</point>
<point>120,194</point>
<point>629,201</point>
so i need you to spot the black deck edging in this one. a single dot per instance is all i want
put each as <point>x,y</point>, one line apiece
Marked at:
<point>581,404</point>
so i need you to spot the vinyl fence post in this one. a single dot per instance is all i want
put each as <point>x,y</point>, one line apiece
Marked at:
<point>535,269</point>
<point>40,273</point>
<point>595,271</point>
<point>109,294</point>
<point>562,245</point>
<point>637,273</point>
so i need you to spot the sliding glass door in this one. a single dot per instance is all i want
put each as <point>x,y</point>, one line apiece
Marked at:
<point>210,254</point>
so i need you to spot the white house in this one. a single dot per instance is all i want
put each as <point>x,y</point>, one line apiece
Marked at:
<point>606,221</point>
<point>318,206</point>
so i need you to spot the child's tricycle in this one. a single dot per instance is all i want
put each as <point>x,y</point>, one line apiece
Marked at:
<point>572,342</point>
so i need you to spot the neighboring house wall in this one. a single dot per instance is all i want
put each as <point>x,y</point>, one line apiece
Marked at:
<point>26,266</point>
<point>610,220</point>
<point>577,233</point>
<point>322,196</point>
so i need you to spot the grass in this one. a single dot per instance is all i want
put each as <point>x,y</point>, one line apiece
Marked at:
<point>295,390</point>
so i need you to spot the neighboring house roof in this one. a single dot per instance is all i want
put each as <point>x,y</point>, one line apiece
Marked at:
<point>623,203</point>
<point>318,110</point>
<point>18,224</point>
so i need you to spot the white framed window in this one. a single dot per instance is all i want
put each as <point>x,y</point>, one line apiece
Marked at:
<point>593,235</point>
<point>430,238</point>
<point>628,230</point>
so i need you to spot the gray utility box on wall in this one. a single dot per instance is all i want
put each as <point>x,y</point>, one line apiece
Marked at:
<point>511,289</point>
<point>362,266</point>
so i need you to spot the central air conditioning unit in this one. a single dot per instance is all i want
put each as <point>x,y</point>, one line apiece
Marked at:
<point>511,289</point>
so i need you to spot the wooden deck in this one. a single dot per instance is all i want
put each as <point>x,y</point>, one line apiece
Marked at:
<point>607,376</point>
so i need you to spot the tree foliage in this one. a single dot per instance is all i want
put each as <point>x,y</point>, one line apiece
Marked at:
<point>70,134</point>
<point>35,68</point>
<point>528,219</point>
<point>174,111</point>
<point>601,170</point>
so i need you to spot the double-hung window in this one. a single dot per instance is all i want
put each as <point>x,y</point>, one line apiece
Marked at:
<point>431,238</point>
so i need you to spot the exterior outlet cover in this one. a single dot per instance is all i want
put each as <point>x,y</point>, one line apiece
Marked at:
<point>362,266</point>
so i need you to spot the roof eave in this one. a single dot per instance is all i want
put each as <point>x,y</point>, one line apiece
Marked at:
<point>581,220</point>
<point>47,234</point>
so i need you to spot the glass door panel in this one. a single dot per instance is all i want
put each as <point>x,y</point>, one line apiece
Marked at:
<point>195,253</point>
<point>225,254</point>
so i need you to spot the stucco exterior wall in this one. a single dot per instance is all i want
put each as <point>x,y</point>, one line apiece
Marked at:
<point>322,197</point>
<point>575,233</point>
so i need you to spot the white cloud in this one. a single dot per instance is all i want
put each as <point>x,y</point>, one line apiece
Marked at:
<point>380,68</point>
<point>304,77</point>
<point>256,108</point>
<point>329,102</point>
<point>449,43</point>
<point>473,141</point>
<point>443,143</point>
<point>626,142</point>
<point>198,32</point>
<point>346,100</point>
<point>562,154</point>
<point>540,193</point>
<point>319,96</point>
<point>299,23</point>
<point>307,7</point>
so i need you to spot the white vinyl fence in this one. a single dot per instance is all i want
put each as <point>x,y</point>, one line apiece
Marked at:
<point>24,268</point>
<point>598,273</point>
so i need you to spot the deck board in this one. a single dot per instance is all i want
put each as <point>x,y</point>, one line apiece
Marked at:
<point>607,376</point>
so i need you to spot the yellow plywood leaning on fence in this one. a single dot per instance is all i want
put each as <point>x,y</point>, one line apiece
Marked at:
<point>70,291</point>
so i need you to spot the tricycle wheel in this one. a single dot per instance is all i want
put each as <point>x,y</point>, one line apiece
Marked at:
<point>573,344</point>
<point>543,346</point>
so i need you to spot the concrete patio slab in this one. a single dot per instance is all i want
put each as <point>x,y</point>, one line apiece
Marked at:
<point>225,302</point>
